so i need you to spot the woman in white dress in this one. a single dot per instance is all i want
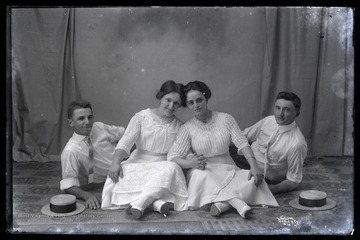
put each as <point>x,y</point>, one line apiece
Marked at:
<point>146,178</point>
<point>213,178</point>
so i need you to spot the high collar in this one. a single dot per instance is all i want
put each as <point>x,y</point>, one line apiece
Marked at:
<point>285,128</point>
<point>78,137</point>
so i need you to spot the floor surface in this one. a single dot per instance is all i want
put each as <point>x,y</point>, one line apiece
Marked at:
<point>35,183</point>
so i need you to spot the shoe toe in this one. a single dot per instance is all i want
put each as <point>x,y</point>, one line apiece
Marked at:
<point>128,210</point>
<point>245,212</point>
<point>214,211</point>
<point>165,208</point>
<point>136,213</point>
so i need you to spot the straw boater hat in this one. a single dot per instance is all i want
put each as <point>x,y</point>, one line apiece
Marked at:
<point>62,205</point>
<point>312,200</point>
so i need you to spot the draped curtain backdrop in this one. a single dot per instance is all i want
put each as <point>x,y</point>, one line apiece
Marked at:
<point>117,58</point>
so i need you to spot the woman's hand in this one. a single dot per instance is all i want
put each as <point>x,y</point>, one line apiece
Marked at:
<point>254,169</point>
<point>115,171</point>
<point>198,161</point>
<point>258,175</point>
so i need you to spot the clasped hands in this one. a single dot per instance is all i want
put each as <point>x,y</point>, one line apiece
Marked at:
<point>199,161</point>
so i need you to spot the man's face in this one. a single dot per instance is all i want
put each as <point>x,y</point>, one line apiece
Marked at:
<point>82,121</point>
<point>285,112</point>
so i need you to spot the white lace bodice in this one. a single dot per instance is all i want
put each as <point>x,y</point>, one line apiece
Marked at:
<point>210,139</point>
<point>149,132</point>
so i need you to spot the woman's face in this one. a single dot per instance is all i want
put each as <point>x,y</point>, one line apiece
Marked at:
<point>197,103</point>
<point>170,103</point>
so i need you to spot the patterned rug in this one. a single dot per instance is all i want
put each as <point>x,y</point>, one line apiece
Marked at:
<point>35,183</point>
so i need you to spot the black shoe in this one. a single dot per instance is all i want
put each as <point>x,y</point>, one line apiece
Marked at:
<point>215,211</point>
<point>128,210</point>
<point>136,213</point>
<point>165,208</point>
<point>245,212</point>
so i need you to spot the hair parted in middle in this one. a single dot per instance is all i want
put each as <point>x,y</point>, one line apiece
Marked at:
<point>171,86</point>
<point>199,86</point>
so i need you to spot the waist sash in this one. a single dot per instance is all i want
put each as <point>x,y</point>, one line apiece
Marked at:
<point>142,151</point>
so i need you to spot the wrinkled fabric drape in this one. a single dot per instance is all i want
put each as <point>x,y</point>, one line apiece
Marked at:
<point>332,124</point>
<point>309,51</point>
<point>43,81</point>
<point>117,59</point>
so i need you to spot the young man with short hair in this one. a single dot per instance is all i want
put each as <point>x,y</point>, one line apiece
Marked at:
<point>88,154</point>
<point>278,145</point>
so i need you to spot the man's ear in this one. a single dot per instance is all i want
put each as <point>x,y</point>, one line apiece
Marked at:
<point>298,113</point>
<point>70,122</point>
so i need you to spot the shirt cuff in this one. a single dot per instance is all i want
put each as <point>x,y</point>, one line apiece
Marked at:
<point>68,183</point>
<point>245,144</point>
<point>294,177</point>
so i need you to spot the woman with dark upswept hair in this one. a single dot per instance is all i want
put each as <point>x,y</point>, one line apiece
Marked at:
<point>146,178</point>
<point>213,179</point>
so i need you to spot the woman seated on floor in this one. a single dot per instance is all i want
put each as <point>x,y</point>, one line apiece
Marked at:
<point>146,178</point>
<point>213,178</point>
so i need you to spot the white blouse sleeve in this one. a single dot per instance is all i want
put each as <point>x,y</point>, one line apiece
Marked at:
<point>131,134</point>
<point>237,136</point>
<point>181,145</point>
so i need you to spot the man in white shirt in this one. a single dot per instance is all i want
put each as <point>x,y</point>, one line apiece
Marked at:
<point>85,163</point>
<point>278,145</point>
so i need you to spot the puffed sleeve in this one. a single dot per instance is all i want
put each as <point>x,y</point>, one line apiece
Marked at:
<point>237,136</point>
<point>131,134</point>
<point>182,144</point>
<point>70,170</point>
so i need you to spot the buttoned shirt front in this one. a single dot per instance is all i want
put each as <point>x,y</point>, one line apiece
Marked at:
<point>75,156</point>
<point>285,156</point>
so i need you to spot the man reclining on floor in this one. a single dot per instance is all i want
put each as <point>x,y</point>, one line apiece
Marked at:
<point>278,145</point>
<point>88,154</point>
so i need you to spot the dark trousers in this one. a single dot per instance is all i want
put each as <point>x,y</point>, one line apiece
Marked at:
<point>240,161</point>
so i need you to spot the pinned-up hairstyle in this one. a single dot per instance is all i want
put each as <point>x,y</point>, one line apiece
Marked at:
<point>171,86</point>
<point>198,86</point>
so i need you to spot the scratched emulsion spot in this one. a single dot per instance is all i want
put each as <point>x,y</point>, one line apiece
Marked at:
<point>287,221</point>
<point>339,84</point>
<point>342,23</point>
<point>143,24</point>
